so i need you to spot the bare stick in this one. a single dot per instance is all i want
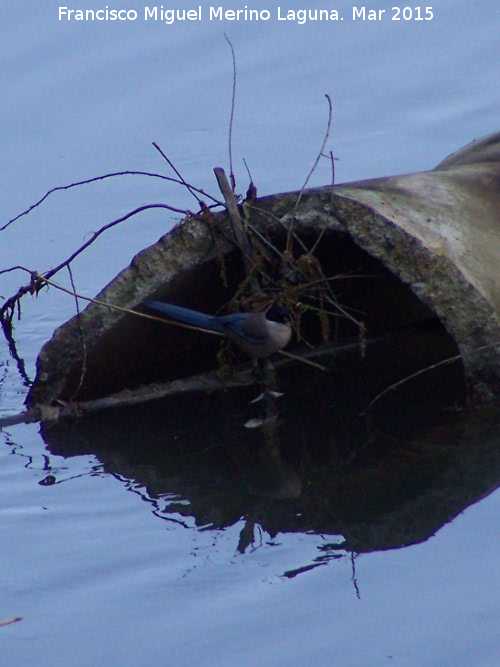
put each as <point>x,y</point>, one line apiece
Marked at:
<point>29,288</point>
<point>449,360</point>
<point>263,240</point>
<point>248,171</point>
<point>11,620</point>
<point>82,337</point>
<point>176,171</point>
<point>320,154</point>
<point>18,267</point>
<point>332,160</point>
<point>128,310</point>
<point>20,363</point>
<point>210,381</point>
<point>330,299</point>
<point>296,357</point>
<point>203,382</point>
<point>231,174</point>
<point>280,222</point>
<point>313,169</point>
<point>234,216</point>
<point>102,178</point>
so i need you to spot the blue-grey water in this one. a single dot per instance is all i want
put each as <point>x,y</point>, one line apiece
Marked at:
<point>99,567</point>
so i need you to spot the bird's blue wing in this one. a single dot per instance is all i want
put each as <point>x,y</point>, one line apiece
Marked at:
<point>240,324</point>
<point>249,326</point>
<point>188,316</point>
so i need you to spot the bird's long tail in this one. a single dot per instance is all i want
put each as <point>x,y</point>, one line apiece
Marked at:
<point>187,316</point>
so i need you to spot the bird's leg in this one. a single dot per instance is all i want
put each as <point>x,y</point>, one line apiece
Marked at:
<point>263,371</point>
<point>265,375</point>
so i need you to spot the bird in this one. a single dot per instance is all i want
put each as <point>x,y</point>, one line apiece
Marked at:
<point>255,333</point>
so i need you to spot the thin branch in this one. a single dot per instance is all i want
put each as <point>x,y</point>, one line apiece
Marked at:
<point>235,218</point>
<point>101,178</point>
<point>248,171</point>
<point>303,360</point>
<point>176,171</point>
<point>11,620</point>
<point>263,240</point>
<point>109,225</point>
<point>320,154</point>
<point>318,240</point>
<point>29,288</point>
<point>443,362</point>
<point>339,276</point>
<point>330,299</point>
<point>313,169</point>
<point>18,267</point>
<point>331,200</point>
<point>210,381</point>
<point>280,222</point>
<point>124,310</point>
<point>82,337</point>
<point>20,363</point>
<point>233,100</point>
<point>341,309</point>
<point>332,160</point>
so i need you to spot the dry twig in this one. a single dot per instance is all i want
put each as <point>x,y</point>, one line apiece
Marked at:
<point>11,620</point>
<point>102,178</point>
<point>231,120</point>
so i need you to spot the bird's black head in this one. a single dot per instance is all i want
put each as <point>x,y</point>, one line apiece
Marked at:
<point>278,314</point>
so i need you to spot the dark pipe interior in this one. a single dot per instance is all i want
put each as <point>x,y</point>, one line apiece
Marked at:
<point>137,352</point>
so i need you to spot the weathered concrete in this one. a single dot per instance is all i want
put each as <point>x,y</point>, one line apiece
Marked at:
<point>445,232</point>
<point>437,232</point>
